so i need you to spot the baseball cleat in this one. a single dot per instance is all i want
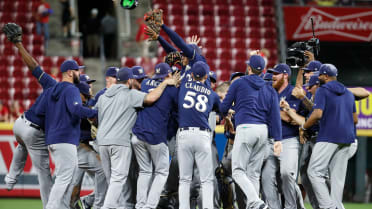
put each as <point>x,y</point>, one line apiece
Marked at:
<point>9,182</point>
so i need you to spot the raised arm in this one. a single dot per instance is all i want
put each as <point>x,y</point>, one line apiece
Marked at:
<point>179,42</point>
<point>359,93</point>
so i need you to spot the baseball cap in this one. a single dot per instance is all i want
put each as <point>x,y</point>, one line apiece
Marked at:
<point>138,72</point>
<point>313,66</point>
<point>314,80</point>
<point>162,70</point>
<point>236,74</point>
<point>199,69</point>
<point>84,88</point>
<point>282,68</point>
<point>256,62</point>
<point>328,69</point>
<point>70,65</point>
<point>213,76</point>
<point>112,71</point>
<point>86,78</point>
<point>268,76</point>
<point>124,74</point>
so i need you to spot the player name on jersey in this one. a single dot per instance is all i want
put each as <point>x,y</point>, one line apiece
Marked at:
<point>198,88</point>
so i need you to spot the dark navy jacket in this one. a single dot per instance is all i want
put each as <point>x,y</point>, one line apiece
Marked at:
<point>46,82</point>
<point>255,102</point>
<point>151,124</point>
<point>62,107</point>
<point>338,105</point>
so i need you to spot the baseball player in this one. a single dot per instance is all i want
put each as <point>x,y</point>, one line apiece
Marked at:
<point>88,158</point>
<point>256,108</point>
<point>110,80</point>
<point>291,146</point>
<point>334,107</point>
<point>28,128</point>
<point>62,129</point>
<point>196,100</point>
<point>116,117</point>
<point>149,139</point>
<point>139,75</point>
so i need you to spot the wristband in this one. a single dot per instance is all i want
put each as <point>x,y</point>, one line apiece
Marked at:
<point>302,127</point>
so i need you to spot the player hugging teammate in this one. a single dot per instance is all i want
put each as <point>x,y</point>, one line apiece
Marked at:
<point>124,137</point>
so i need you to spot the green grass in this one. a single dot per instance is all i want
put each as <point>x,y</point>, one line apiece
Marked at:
<point>22,203</point>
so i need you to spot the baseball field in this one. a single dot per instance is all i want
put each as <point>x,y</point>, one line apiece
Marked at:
<point>28,203</point>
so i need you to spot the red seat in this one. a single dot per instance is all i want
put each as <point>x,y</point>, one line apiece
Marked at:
<point>223,10</point>
<point>225,55</point>
<point>239,22</point>
<point>252,3</point>
<point>270,33</point>
<point>208,21</point>
<point>129,61</point>
<point>180,31</point>
<point>254,22</point>
<point>4,83</point>
<point>18,62</point>
<point>254,33</point>
<point>210,43</point>
<point>239,33</point>
<point>193,31</point>
<point>211,55</point>
<point>224,32</point>
<point>38,40</point>
<point>176,10</point>
<point>207,11</point>
<point>34,85</point>
<point>177,20</point>
<point>225,75</point>
<point>47,62</point>
<point>4,96</point>
<point>192,10</point>
<point>224,66</point>
<point>37,51</point>
<point>23,7</point>
<point>239,43</point>
<point>224,43</point>
<point>267,3</point>
<point>268,11</point>
<point>238,2</point>
<point>33,95</point>
<point>241,55</point>
<point>269,22</point>
<point>4,62</point>
<point>21,19</point>
<point>8,50</point>
<point>223,21</point>
<point>253,11</point>
<point>254,44</point>
<point>270,44</point>
<point>192,21</point>
<point>238,11</point>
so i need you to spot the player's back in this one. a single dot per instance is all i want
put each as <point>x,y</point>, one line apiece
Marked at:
<point>195,101</point>
<point>151,123</point>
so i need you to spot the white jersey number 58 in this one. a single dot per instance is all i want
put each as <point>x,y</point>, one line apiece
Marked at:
<point>201,104</point>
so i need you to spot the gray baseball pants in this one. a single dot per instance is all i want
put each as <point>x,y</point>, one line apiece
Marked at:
<point>195,145</point>
<point>88,160</point>
<point>247,158</point>
<point>35,145</point>
<point>333,158</point>
<point>65,158</point>
<point>147,155</point>
<point>288,160</point>
<point>304,164</point>
<point>269,180</point>
<point>115,164</point>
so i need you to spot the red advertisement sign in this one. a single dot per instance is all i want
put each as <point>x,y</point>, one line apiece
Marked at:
<point>330,23</point>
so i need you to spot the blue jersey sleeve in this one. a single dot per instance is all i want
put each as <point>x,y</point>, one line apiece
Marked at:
<point>179,42</point>
<point>229,99</point>
<point>75,106</point>
<point>166,46</point>
<point>274,118</point>
<point>45,80</point>
<point>320,99</point>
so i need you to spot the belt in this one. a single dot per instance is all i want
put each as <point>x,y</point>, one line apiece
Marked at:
<point>195,129</point>
<point>30,123</point>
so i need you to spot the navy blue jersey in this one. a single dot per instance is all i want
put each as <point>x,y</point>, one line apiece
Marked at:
<point>172,124</point>
<point>63,125</point>
<point>255,102</point>
<point>195,101</point>
<point>338,106</point>
<point>290,130</point>
<point>94,101</point>
<point>46,82</point>
<point>151,124</point>
<point>85,129</point>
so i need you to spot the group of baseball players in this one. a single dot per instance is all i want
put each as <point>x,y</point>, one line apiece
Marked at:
<point>144,140</point>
